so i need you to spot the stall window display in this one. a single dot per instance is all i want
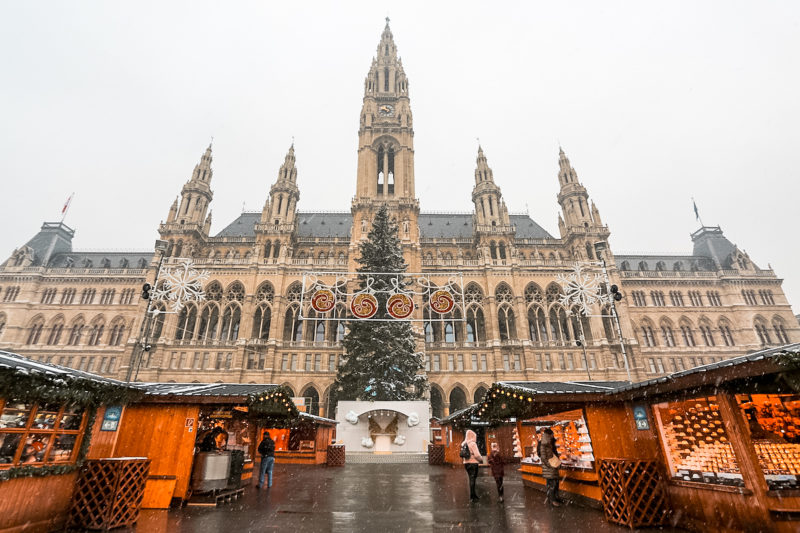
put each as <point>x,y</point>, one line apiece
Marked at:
<point>234,431</point>
<point>39,433</point>
<point>696,442</point>
<point>572,439</point>
<point>774,423</point>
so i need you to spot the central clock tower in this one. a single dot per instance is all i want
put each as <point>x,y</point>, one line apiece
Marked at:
<point>386,147</point>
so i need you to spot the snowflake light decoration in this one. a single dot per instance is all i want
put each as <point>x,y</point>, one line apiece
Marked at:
<point>180,284</point>
<point>581,289</point>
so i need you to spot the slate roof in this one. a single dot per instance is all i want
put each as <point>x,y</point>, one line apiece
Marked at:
<point>688,262</point>
<point>432,225</point>
<point>565,387</point>
<point>95,259</point>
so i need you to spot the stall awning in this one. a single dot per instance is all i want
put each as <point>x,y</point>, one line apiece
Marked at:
<point>232,392</point>
<point>533,398</point>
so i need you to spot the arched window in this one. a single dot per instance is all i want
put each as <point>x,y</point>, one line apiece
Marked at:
<point>56,329</point>
<point>537,324</point>
<point>648,335</point>
<point>2,324</point>
<point>429,332</point>
<point>319,335</point>
<point>231,319</point>
<point>608,324</point>
<point>209,321</point>
<point>187,319</point>
<point>762,331</point>
<point>261,322</point>
<point>779,328</point>
<point>687,334</point>
<point>235,292</point>
<point>117,330</point>
<point>292,325</point>
<point>667,334</point>
<point>707,333</point>
<point>35,331</point>
<point>267,249</point>
<point>502,248</point>
<point>505,323</point>
<point>625,265</point>
<point>214,291</point>
<point>95,332</point>
<point>158,320</point>
<point>589,251</point>
<point>76,331</point>
<point>726,333</point>
<point>276,250</point>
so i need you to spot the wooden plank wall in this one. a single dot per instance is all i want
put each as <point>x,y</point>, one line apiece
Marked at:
<point>103,442</point>
<point>614,434</point>
<point>34,504</point>
<point>160,433</point>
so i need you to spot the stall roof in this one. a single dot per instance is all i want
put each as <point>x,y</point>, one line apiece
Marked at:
<point>565,387</point>
<point>25,366</point>
<point>229,390</point>
<point>317,419</point>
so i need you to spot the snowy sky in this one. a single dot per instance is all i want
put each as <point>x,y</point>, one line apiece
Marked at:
<point>653,103</point>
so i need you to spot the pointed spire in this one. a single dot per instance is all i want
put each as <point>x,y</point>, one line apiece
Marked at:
<point>483,173</point>
<point>566,174</point>
<point>288,171</point>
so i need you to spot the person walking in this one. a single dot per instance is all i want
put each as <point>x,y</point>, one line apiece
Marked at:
<point>548,453</point>
<point>267,450</point>
<point>497,466</point>
<point>471,457</point>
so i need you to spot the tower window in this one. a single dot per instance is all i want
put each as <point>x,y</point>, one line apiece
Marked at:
<point>390,172</point>
<point>381,174</point>
<point>386,79</point>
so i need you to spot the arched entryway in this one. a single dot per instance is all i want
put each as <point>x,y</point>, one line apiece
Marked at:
<point>480,392</point>
<point>312,400</point>
<point>458,400</point>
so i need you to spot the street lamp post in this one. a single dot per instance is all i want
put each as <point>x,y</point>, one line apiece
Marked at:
<point>599,248</point>
<point>142,345</point>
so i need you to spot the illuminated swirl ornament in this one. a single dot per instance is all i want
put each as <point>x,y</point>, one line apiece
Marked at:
<point>400,305</point>
<point>323,300</point>
<point>442,302</point>
<point>364,305</point>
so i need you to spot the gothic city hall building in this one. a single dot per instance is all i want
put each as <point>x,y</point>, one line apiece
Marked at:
<point>85,310</point>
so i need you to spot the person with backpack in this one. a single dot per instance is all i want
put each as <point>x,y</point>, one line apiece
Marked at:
<point>471,457</point>
<point>496,464</point>
<point>267,450</point>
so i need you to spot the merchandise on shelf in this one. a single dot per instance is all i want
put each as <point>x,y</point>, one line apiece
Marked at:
<point>572,439</point>
<point>774,424</point>
<point>697,443</point>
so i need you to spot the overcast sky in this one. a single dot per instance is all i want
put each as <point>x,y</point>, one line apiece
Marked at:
<point>653,103</point>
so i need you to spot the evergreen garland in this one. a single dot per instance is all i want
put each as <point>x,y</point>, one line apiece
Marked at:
<point>66,390</point>
<point>380,362</point>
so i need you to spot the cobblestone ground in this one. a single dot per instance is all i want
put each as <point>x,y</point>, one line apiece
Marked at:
<point>379,498</point>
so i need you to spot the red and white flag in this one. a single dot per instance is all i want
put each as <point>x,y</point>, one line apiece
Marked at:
<point>66,205</point>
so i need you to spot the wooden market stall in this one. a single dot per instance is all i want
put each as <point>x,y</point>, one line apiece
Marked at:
<point>717,446</point>
<point>178,425</point>
<point>173,422</point>
<point>52,419</point>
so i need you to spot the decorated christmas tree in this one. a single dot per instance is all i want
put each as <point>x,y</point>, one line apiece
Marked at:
<point>380,360</point>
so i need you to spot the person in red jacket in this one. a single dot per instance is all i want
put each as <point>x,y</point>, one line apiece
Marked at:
<point>496,464</point>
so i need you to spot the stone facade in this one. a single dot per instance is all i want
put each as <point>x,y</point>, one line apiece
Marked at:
<point>84,309</point>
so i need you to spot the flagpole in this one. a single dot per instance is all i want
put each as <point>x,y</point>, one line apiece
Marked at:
<point>66,207</point>
<point>697,213</point>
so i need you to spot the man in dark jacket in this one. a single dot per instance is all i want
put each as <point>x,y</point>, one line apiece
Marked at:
<point>267,450</point>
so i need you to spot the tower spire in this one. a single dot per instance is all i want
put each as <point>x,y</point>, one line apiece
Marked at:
<point>490,208</point>
<point>284,194</point>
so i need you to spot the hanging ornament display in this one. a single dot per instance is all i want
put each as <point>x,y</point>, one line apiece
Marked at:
<point>323,300</point>
<point>442,301</point>
<point>364,305</point>
<point>400,305</point>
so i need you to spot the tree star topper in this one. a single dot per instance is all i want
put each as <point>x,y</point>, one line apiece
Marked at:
<point>180,284</point>
<point>581,289</point>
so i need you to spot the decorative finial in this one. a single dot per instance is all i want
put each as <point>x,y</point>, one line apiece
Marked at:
<point>387,20</point>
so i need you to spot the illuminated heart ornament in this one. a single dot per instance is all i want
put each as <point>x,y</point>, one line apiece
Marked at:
<point>323,300</point>
<point>400,305</point>
<point>442,301</point>
<point>363,305</point>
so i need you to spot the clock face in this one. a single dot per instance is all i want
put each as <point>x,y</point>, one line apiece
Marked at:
<point>386,110</point>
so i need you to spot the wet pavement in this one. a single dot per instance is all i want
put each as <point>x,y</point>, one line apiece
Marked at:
<point>379,498</point>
